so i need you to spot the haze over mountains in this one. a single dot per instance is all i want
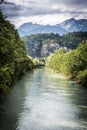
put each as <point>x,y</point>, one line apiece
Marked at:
<point>69,25</point>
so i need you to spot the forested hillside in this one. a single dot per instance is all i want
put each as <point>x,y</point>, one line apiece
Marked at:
<point>72,40</point>
<point>13,57</point>
<point>72,63</point>
<point>42,45</point>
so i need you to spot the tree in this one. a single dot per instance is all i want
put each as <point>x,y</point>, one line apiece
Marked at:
<point>72,63</point>
<point>13,57</point>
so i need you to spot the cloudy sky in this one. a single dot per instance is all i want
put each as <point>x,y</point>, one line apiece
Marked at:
<point>44,11</point>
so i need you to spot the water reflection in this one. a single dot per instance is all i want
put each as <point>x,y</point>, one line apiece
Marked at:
<point>43,100</point>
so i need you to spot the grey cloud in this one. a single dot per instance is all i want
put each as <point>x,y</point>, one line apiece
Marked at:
<point>30,2</point>
<point>83,2</point>
<point>32,8</point>
<point>13,10</point>
<point>69,1</point>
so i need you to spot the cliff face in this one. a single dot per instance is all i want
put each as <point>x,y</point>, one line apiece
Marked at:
<point>48,48</point>
<point>38,49</point>
<point>34,49</point>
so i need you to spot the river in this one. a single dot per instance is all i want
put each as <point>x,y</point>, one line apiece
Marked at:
<point>43,100</point>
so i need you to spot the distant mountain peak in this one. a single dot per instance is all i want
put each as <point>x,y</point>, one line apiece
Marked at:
<point>69,25</point>
<point>71,19</point>
<point>74,25</point>
<point>26,24</point>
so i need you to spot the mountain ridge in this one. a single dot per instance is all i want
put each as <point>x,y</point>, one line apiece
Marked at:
<point>69,25</point>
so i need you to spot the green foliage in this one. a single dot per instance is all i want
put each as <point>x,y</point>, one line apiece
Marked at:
<point>13,57</point>
<point>73,39</point>
<point>72,63</point>
<point>82,77</point>
<point>70,40</point>
<point>39,62</point>
<point>36,61</point>
<point>42,38</point>
<point>54,60</point>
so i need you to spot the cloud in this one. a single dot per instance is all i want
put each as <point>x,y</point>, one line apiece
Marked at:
<point>33,9</point>
<point>69,2</point>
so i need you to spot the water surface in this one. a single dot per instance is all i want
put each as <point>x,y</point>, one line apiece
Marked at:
<point>44,100</point>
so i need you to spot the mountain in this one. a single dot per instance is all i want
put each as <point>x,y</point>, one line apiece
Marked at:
<point>30,28</point>
<point>69,25</point>
<point>72,25</point>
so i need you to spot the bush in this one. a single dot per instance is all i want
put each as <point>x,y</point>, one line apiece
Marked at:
<point>82,77</point>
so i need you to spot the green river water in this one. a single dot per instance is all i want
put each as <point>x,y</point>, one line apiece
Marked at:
<point>43,100</point>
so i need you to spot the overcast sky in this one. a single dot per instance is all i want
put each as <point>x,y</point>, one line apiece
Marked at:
<point>44,11</point>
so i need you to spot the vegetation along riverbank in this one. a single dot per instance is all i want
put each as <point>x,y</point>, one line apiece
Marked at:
<point>72,63</point>
<point>14,61</point>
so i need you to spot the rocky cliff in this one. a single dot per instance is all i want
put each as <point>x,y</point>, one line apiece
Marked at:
<point>41,50</point>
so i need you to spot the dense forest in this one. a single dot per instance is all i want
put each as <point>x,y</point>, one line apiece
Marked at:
<point>72,63</point>
<point>14,61</point>
<point>42,45</point>
<point>70,40</point>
